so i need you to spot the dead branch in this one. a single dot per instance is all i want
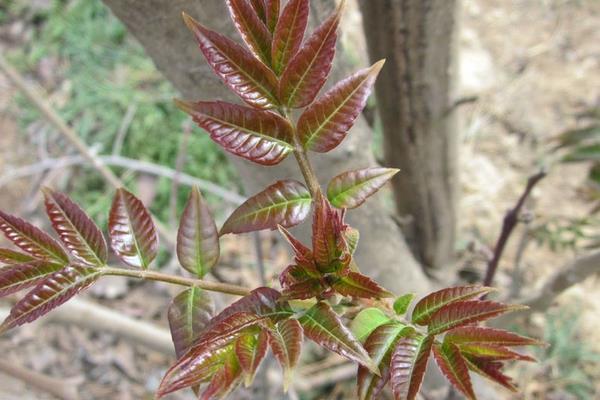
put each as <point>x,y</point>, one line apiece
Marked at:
<point>57,387</point>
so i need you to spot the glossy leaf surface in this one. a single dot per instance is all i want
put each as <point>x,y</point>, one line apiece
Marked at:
<point>289,33</point>
<point>189,313</point>
<point>431,303</point>
<point>256,135</point>
<point>253,30</point>
<point>197,236</point>
<point>80,235</point>
<point>308,70</point>
<point>251,350</point>
<point>132,233</point>
<point>285,339</point>
<point>226,378</point>
<point>31,239</point>
<point>357,285</point>
<point>408,365</point>
<point>367,321</point>
<point>402,303</point>
<point>20,276</point>
<point>352,188</point>
<point>285,203</point>
<point>323,326</point>
<point>454,368</point>
<point>237,67</point>
<point>8,256</point>
<point>50,293</point>
<point>326,122</point>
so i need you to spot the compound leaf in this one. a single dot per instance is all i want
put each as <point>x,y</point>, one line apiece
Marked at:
<point>289,33</point>
<point>253,30</point>
<point>189,313</point>
<point>352,188</point>
<point>408,365</point>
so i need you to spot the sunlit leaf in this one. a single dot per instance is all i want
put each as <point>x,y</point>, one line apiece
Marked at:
<point>237,67</point>
<point>352,188</point>
<point>285,203</point>
<point>431,303</point>
<point>253,30</point>
<point>226,378</point>
<point>50,293</point>
<point>197,237</point>
<point>8,256</point>
<point>408,365</point>
<point>480,334</point>
<point>326,122</point>
<point>17,277</point>
<point>285,339</point>
<point>352,237</point>
<point>323,326</point>
<point>256,135</point>
<point>308,70</point>
<point>189,313</point>
<point>31,239</point>
<point>289,33</point>
<point>251,350</point>
<point>357,285</point>
<point>77,231</point>
<point>454,368</point>
<point>367,321</point>
<point>467,312</point>
<point>272,8</point>
<point>402,303</point>
<point>491,370</point>
<point>132,233</point>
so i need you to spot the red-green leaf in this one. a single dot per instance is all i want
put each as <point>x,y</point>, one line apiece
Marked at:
<point>380,346</point>
<point>225,379</point>
<point>352,236</point>
<point>189,313</point>
<point>323,326</point>
<point>31,239</point>
<point>491,370</point>
<point>50,293</point>
<point>272,8</point>
<point>20,276</point>
<point>480,334</point>
<point>367,321</point>
<point>352,188</point>
<point>77,231</point>
<point>259,9</point>
<point>427,306</point>
<point>408,365</point>
<point>285,339</point>
<point>302,253</point>
<point>197,237</point>
<point>357,285</point>
<point>251,350</point>
<point>254,32</point>
<point>308,70</point>
<point>237,67</point>
<point>285,203</point>
<point>325,124</point>
<point>299,288</point>
<point>8,256</point>
<point>454,368</point>
<point>467,312</point>
<point>490,351</point>
<point>329,244</point>
<point>289,33</point>
<point>132,233</point>
<point>256,135</point>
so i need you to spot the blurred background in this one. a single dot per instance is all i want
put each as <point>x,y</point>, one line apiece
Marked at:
<point>522,95</point>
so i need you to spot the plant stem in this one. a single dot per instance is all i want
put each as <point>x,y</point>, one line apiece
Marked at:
<point>307,171</point>
<point>178,280</point>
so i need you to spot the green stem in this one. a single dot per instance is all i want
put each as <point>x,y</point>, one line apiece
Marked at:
<point>177,280</point>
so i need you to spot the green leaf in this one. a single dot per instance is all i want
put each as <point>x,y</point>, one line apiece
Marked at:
<point>251,350</point>
<point>402,303</point>
<point>408,365</point>
<point>353,188</point>
<point>197,237</point>
<point>454,368</point>
<point>367,321</point>
<point>285,339</point>
<point>285,203</point>
<point>225,379</point>
<point>132,233</point>
<point>323,326</point>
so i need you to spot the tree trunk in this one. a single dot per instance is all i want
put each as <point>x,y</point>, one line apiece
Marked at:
<point>157,24</point>
<point>415,36</point>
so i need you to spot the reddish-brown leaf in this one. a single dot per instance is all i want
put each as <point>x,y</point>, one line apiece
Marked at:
<point>431,303</point>
<point>480,334</point>
<point>303,290</point>
<point>189,313</point>
<point>8,256</point>
<point>454,368</point>
<point>256,135</point>
<point>330,249</point>
<point>289,33</point>
<point>380,345</point>
<point>251,350</point>
<point>302,253</point>
<point>259,9</point>
<point>493,352</point>
<point>285,339</point>
<point>31,239</point>
<point>408,365</point>
<point>272,8</point>
<point>467,312</point>
<point>308,70</point>
<point>491,370</point>
<point>352,188</point>
<point>357,285</point>
<point>225,380</point>
<point>326,122</point>
<point>323,326</point>
<point>17,277</point>
<point>285,203</point>
<point>78,232</point>
<point>132,233</point>
<point>237,67</point>
<point>50,293</point>
<point>253,30</point>
<point>197,237</point>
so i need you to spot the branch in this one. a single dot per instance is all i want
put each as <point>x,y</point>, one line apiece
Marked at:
<point>508,225</point>
<point>57,387</point>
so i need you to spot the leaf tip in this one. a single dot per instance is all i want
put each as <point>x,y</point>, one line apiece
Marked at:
<point>191,23</point>
<point>185,106</point>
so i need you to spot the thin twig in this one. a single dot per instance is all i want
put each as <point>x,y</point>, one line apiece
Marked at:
<point>510,221</point>
<point>60,388</point>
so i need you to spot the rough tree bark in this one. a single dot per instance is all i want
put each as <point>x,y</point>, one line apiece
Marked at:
<point>415,36</point>
<point>157,25</point>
